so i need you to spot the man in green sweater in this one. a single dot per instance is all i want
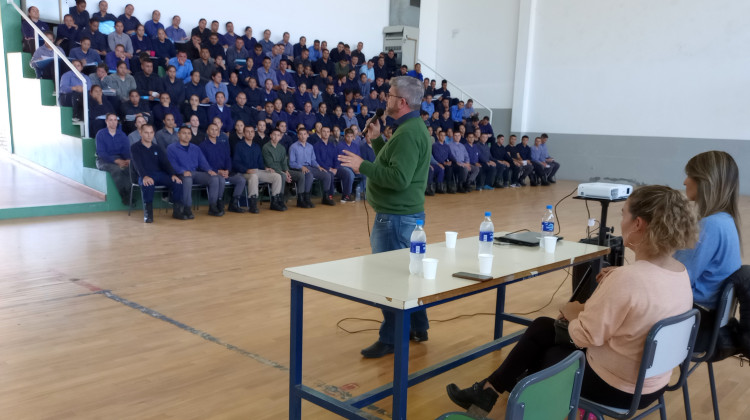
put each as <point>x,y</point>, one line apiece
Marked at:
<point>396,182</point>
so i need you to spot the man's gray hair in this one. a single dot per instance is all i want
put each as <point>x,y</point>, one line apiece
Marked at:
<point>409,88</point>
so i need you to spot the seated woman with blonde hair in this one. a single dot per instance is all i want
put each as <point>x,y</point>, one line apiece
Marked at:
<point>613,324</point>
<point>713,183</point>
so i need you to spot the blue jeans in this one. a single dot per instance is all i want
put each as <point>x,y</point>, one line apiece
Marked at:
<point>391,232</point>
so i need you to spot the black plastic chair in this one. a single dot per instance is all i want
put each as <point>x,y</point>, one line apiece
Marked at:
<point>724,310</point>
<point>669,344</point>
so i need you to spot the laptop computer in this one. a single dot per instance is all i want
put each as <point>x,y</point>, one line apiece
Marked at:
<point>522,238</point>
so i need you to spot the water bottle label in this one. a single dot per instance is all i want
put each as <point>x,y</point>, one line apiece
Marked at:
<point>486,236</point>
<point>418,247</point>
<point>548,226</point>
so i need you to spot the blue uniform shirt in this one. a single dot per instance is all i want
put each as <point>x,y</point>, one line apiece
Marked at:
<point>217,154</point>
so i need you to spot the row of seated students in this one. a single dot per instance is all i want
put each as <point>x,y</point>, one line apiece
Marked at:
<point>463,161</point>
<point>248,155</point>
<point>179,158</point>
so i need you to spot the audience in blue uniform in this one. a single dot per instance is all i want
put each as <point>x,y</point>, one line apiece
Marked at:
<point>311,94</point>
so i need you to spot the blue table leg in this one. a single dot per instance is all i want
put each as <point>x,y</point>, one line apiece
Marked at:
<point>295,352</point>
<point>499,310</point>
<point>401,364</point>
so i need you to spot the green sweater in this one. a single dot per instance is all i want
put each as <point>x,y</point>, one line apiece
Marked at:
<point>397,179</point>
<point>275,157</point>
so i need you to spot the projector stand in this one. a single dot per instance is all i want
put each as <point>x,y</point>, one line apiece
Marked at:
<point>584,275</point>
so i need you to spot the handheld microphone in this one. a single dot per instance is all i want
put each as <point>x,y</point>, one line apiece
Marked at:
<point>378,114</point>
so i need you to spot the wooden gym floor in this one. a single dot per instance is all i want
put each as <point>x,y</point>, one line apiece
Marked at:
<point>102,316</point>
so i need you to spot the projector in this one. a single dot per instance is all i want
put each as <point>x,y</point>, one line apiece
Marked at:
<point>604,190</point>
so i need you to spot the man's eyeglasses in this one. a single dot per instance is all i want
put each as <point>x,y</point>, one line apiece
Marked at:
<point>388,95</point>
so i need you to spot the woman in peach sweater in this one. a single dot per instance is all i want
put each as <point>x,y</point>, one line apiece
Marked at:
<point>613,324</point>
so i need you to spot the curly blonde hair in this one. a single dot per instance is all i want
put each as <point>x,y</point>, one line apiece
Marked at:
<point>672,223</point>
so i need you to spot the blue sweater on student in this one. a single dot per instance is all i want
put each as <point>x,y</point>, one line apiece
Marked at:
<point>326,154</point>
<point>109,147</point>
<point>217,154</point>
<point>187,158</point>
<point>715,257</point>
<point>247,157</point>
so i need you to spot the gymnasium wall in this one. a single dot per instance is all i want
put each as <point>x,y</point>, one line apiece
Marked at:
<point>627,89</point>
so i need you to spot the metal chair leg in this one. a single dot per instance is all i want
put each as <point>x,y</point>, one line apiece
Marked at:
<point>686,397</point>
<point>662,408</point>
<point>130,202</point>
<point>712,381</point>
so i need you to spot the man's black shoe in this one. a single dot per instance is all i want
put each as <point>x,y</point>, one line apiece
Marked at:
<point>148,212</point>
<point>379,349</point>
<point>213,210</point>
<point>277,203</point>
<point>252,205</point>
<point>308,201</point>
<point>328,200</point>
<point>418,336</point>
<point>476,395</point>
<point>177,212</point>
<point>234,205</point>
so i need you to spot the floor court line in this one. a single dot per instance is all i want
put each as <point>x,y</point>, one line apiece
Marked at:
<point>331,390</point>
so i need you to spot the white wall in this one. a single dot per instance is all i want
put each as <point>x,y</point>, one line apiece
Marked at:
<point>473,45</point>
<point>641,68</point>
<point>331,20</point>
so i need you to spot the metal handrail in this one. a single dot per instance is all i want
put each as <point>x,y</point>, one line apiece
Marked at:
<point>60,56</point>
<point>464,94</point>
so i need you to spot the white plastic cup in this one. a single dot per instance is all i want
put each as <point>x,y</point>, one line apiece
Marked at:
<point>429,268</point>
<point>485,264</point>
<point>450,239</point>
<point>549,244</point>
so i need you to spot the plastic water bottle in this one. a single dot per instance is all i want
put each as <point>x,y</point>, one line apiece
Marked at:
<point>486,234</point>
<point>418,248</point>
<point>548,222</point>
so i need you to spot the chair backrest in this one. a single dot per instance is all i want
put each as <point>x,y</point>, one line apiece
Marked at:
<point>671,342</point>
<point>548,394</point>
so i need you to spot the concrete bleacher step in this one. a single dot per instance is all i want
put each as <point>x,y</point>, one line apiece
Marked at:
<point>28,72</point>
<point>47,88</point>
<point>45,134</point>
<point>89,152</point>
<point>66,122</point>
